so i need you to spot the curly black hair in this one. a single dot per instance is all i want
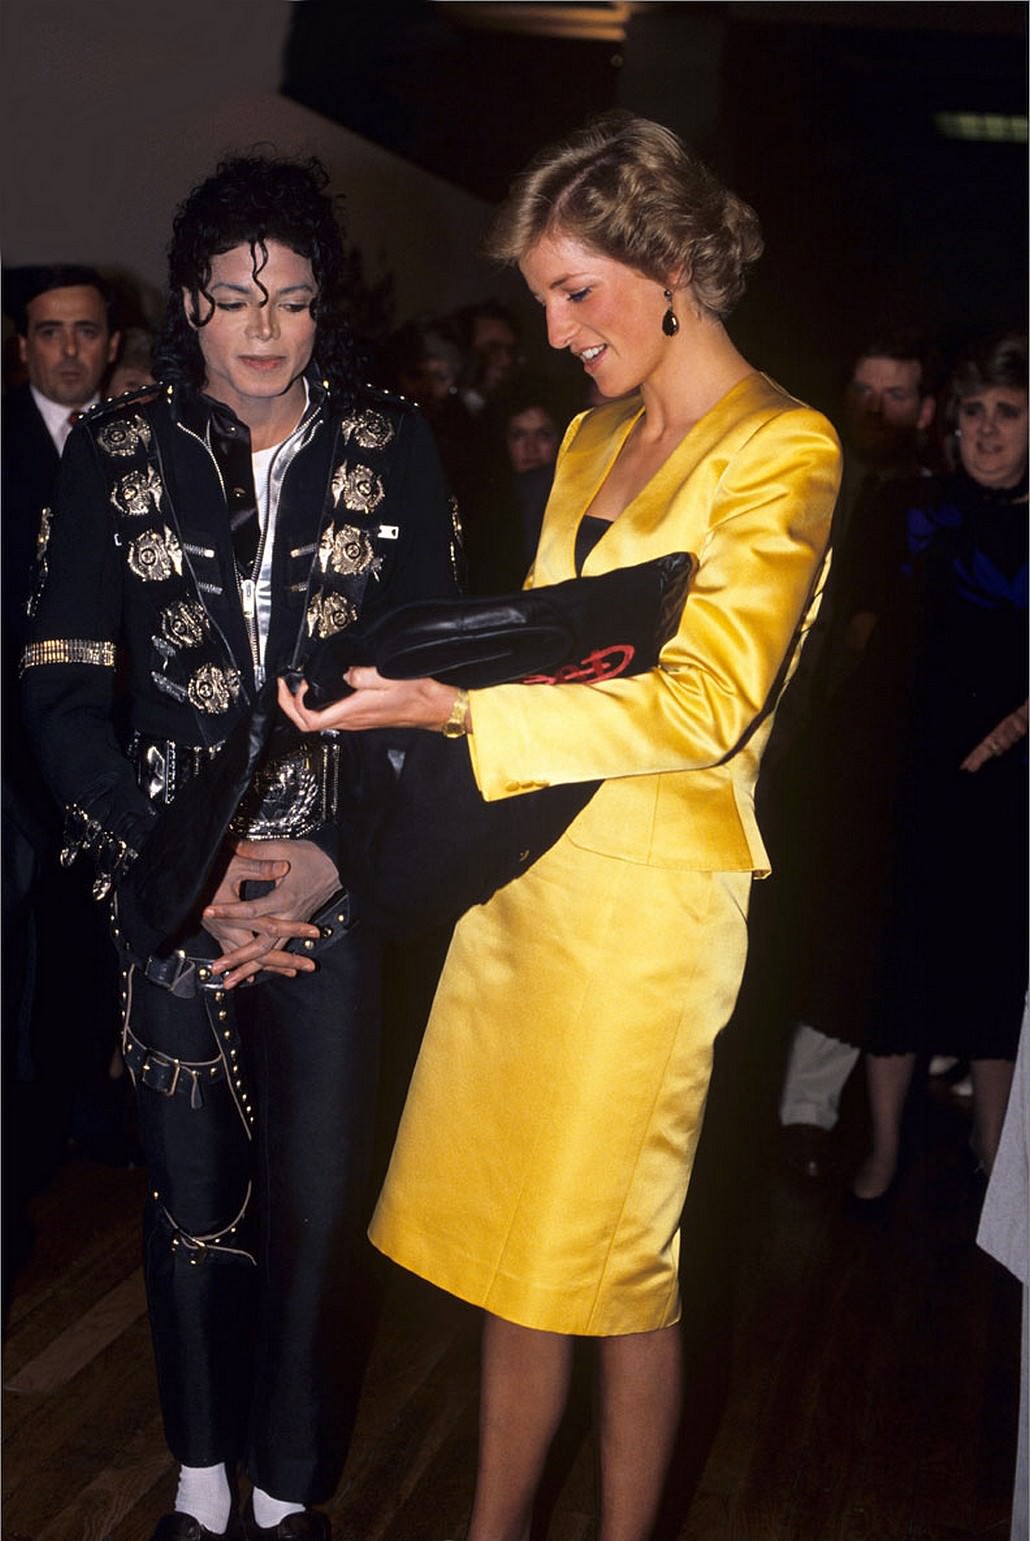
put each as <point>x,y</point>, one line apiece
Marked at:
<point>249,201</point>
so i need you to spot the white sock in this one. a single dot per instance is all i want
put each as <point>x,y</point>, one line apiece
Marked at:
<point>268,1511</point>
<point>203,1491</point>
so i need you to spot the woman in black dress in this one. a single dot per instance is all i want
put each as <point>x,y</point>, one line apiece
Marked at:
<point>952,967</point>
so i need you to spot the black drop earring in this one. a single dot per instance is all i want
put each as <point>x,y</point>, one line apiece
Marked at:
<point>670,324</point>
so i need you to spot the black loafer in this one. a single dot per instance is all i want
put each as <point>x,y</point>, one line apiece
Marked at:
<point>309,1526</point>
<point>183,1527</point>
<point>807,1149</point>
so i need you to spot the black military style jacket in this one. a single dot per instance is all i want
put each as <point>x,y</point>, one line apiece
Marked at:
<point>29,465</point>
<point>138,593</point>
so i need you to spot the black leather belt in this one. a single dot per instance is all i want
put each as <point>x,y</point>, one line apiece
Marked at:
<point>163,767</point>
<point>186,976</point>
<point>180,974</point>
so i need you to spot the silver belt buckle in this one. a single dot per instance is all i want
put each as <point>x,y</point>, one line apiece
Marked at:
<point>291,797</point>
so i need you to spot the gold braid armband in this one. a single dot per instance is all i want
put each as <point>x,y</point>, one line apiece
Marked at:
<point>68,650</point>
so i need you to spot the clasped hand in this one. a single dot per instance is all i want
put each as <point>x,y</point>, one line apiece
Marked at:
<point>252,932</point>
<point>375,702</point>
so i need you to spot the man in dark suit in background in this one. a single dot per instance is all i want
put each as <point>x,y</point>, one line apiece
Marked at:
<point>57,1077</point>
<point>888,404</point>
<point>66,343</point>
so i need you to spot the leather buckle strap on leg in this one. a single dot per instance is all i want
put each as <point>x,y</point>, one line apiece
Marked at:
<point>167,1075</point>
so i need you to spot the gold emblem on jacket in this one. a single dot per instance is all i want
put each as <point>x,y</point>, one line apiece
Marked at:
<point>213,689</point>
<point>155,555</point>
<point>184,623</point>
<point>357,487</point>
<point>329,614</point>
<point>347,550</point>
<point>368,429</point>
<point>125,435</point>
<point>138,493</point>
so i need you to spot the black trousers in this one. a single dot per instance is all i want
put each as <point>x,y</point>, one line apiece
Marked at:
<point>258,1148</point>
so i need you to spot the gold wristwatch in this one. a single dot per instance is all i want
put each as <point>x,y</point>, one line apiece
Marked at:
<point>455,727</point>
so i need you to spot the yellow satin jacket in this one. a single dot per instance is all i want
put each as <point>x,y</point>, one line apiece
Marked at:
<point>749,492</point>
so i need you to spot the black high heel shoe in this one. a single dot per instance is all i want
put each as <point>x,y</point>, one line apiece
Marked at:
<point>871,1209</point>
<point>858,1206</point>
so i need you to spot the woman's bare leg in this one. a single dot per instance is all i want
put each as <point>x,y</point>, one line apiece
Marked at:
<point>641,1392</point>
<point>992,1082</point>
<point>888,1077</point>
<point>525,1385</point>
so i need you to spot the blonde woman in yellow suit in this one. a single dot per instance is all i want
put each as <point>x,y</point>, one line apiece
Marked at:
<point>543,1159</point>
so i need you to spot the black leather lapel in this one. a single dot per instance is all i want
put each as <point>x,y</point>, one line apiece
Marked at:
<point>198,509</point>
<point>304,511</point>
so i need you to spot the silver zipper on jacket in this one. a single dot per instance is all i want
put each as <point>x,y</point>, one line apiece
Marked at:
<point>277,473</point>
<point>248,592</point>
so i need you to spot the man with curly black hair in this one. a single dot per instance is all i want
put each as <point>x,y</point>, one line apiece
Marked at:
<point>206,532</point>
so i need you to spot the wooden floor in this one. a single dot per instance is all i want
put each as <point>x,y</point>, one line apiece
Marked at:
<point>844,1379</point>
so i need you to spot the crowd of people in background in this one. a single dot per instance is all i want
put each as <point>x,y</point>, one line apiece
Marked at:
<point>497,424</point>
<point>904,790</point>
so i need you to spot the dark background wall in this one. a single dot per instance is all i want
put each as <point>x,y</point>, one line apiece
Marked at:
<point>111,110</point>
<point>821,115</point>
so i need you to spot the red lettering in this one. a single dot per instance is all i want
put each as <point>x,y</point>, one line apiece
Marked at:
<point>605,663</point>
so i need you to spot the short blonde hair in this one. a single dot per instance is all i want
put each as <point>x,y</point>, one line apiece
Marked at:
<point>998,361</point>
<point>631,189</point>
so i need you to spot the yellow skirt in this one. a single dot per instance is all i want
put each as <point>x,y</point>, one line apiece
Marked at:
<point>546,1145</point>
